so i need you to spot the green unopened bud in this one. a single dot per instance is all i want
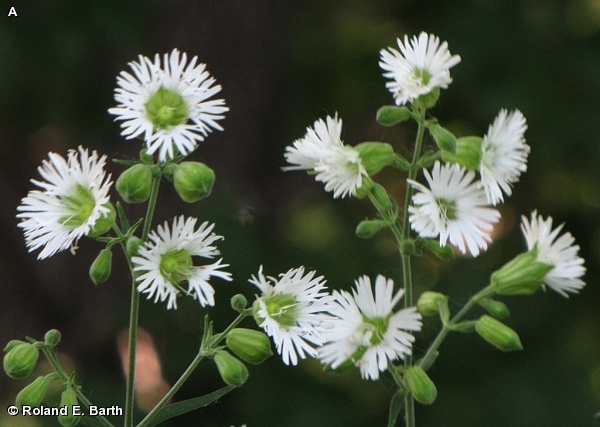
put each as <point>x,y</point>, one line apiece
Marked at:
<point>239,302</point>
<point>408,247</point>
<point>12,344</point>
<point>375,155</point>
<point>498,334</point>
<point>52,337</point>
<point>428,100</point>
<point>233,372</point>
<point>20,360</point>
<point>68,398</point>
<point>193,181</point>
<point>369,227</point>
<point>444,139</point>
<point>101,267</point>
<point>133,245</point>
<point>390,115</point>
<point>420,385</point>
<point>523,275</point>
<point>496,308</point>
<point>135,183</point>
<point>430,303</point>
<point>442,252</point>
<point>34,393</point>
<point>249,345</point>
<point>104,223</point>
<point>468,153</point>
<point>365,189</point>
<point>381,197</point>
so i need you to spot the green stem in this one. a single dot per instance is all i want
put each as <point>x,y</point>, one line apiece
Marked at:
<point>134,311</point>
<point>51,357</point>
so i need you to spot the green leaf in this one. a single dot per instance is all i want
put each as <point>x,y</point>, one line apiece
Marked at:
<point>396,406</point>
<point>180,408</point>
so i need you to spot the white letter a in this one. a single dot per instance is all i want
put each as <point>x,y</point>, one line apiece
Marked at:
<point>12,11</point>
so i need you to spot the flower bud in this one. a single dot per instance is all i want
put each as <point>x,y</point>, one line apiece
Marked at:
<point>249,345</point>
<point>12,344</point>
<point>233,372</point>
<point>132,245</point>
<point>523,275</point>
<point>365,189</point>
<point>444,139</point>
<point>369,227</point>
<point>496,308</point>
<point>381,197</point>
<point>468,153</point>
<point>20,360</point>
<point>52,337</point>
<point>134,185</point>
<point>498,334</point>
<point>104,223</point>
<point>441,252</point>
<point>239,302</point>
<point>68,398</point>
<point>429,303</point>
<point>390,115</point>
<point>34,393</point>
<point>101,267</point>
<point>408,247</point>
<point>193,181</point>
<point>420,385</point>
<point>375,155</point>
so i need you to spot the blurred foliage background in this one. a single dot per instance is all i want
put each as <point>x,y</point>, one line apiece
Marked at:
<point>282,65</point>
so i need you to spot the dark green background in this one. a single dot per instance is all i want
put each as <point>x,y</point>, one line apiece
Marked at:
<point>282,65</point>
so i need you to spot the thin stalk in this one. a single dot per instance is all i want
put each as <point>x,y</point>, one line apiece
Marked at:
<point>134,311</point>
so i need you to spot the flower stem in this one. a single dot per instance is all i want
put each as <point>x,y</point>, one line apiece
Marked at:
<point>134,312</point>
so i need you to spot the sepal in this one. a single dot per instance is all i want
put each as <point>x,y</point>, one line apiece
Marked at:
<point>375,156</point>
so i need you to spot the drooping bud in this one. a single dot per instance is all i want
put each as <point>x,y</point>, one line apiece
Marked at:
<point>193,181</point>
<point>444,139</point>
<point>498,334</point>
<point>375,155</point>
<point>381,196</point>
<point>21,360</point>
<point>34,393</point>
<point>442,252</point>
<point>68,399</point>
<point>523,275</point>
<point>390,115</point>
<point>134,185</point>
<point>52,337</point>
<point>420,385</point>
<point>468,153</point>
<point>496,308</point>
<point>233,371</point>
<point>369,227</point>
<point>132,245</point>
<point>249,345</point>
<point>104,223</point>
<point>101,267</point>
<point>239,302</point>
<point>430,303</point>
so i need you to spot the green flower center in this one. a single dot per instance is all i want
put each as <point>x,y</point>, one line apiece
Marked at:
<point>447,210</point>
<point>166,109</point>
<point>283,309</point>
<point>79,206</point>
<point>378,327</point>
<point>423,75</point>
<point>175,265</point>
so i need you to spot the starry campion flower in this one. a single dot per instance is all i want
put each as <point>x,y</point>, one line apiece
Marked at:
<point>420,67</point>
<point>73,202</point>
<point>291,310</point>
<point>168,106</point>
<point>559,252</point>
<point>453,208</point>
<point>366,331</point>
<point>504,155</point>
<point>165,262</point>
<point>322,152</point>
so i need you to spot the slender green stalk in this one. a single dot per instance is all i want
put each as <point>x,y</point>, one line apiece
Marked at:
<point>134,312</point>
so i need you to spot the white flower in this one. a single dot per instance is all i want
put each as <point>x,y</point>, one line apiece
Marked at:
<point>72,199</point>
<point>322,151</point>
<point>169,106</point>
<point>419,68</point>
<point>558,252</point>
<point>291,310</point>
<point>366,331</point>
<point>453,208</point>
<point>504,155</point>
<point>165,262</point>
